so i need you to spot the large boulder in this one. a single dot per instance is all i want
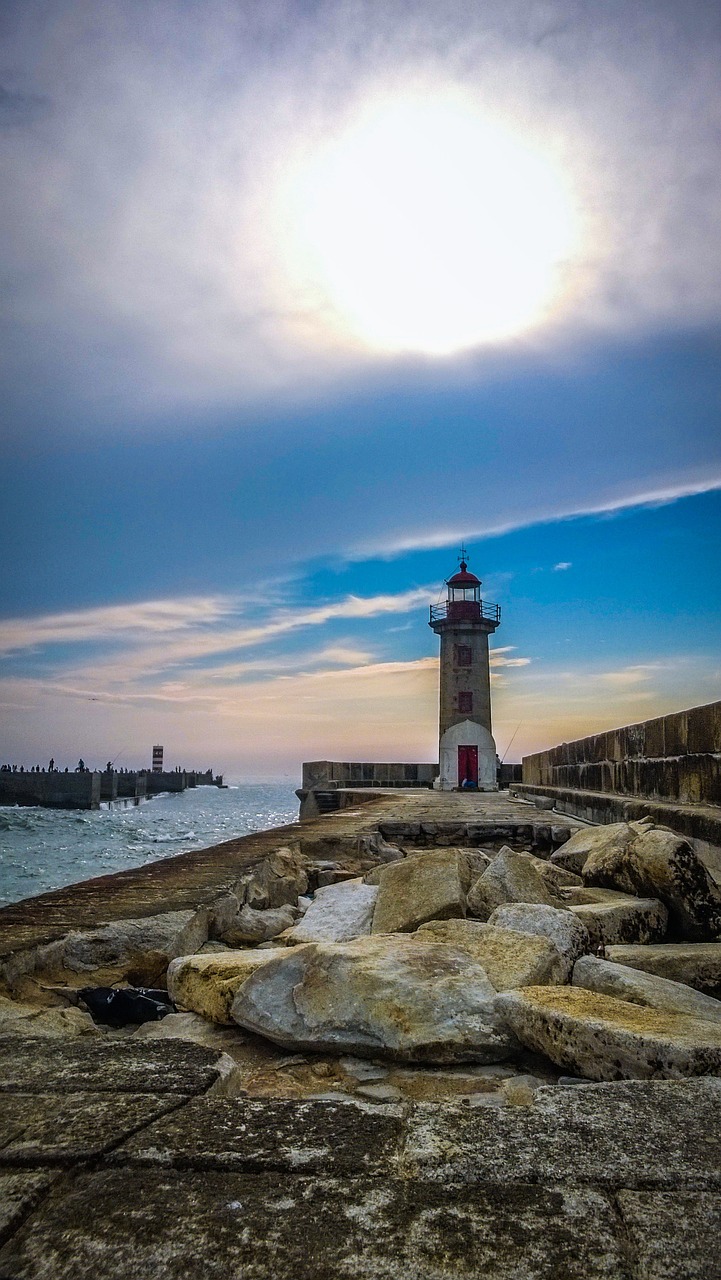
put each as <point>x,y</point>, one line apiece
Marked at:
<point>136,951</point>
<point>208,984</point>
<point>612,840</point>
<point>401,998</point>
<point>511,877</point>
<point>698,964</point>
<point>617,917</point>
<point>672,871</point>
<point>623,983</point>
<point>17,1019</point>
<point>337,913</point>
<point>602,1038</point>
<point>427,886</point>
<point>279,879</point>
<point>567,933</point>
<point>251,926</point>
<point>510,959</point>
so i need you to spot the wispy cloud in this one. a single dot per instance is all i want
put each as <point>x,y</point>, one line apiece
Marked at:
<point>562,564</point>
<point>446,536</point>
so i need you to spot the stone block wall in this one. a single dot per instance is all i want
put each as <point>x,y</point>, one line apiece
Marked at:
<point>675,758</point>
<point>51,790</point>
<point>354,774</point>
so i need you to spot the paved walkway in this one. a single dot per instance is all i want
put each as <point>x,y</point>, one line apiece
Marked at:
<point>123,1161</point>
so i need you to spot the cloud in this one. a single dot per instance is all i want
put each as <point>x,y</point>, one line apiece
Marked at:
<point>633,675</point>
<point>562,564</point>
<point>143,217</point>
<point>612,505</point>
<point>158,635</point>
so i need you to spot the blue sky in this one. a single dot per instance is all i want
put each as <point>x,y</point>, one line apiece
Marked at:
<point>226,501</point>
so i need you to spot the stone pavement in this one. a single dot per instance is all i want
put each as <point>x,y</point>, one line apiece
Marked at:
<point>127,1160</point>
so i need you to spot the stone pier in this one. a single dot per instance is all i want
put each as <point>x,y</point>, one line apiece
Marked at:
<point>208,1151</point>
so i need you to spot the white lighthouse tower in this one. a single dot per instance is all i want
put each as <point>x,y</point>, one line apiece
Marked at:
<point>467,752</point>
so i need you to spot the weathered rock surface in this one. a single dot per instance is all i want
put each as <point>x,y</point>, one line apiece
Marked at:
<point>208,984</point>
<point>399,997</point>
<point>511,877</point>
<point>657,863</point>
<point>624,983</point>
<point>510,959</point>
<point>611,841</point>
<point>338,913</point>
<point>567,933</point>
<point>617,918</point>
<point>670,870</point>
<point>135,951</point>
<point>698,964</point>
<point>279,879</point>
<point>602,1038</point>
<point>251,926</point>
<point>30,1020</point>
<point>553,876</point>
<point>427,886</point>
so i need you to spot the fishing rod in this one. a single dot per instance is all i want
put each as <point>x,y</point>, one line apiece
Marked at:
<point>511,743</point>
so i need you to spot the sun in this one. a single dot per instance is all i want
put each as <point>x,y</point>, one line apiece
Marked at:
<point>426,227</point>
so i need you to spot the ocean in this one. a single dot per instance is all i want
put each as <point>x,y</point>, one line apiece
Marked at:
<point>43,849</point>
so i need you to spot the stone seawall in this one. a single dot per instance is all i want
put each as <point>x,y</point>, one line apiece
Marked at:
<point>671,758</point>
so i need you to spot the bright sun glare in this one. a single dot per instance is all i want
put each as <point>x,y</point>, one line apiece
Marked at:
<point>427,228</point>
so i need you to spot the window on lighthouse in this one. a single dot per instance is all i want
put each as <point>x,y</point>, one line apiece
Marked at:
<point>465,702</point>
<point>464,655</point>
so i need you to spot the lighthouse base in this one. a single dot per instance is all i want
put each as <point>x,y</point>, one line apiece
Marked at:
<point>467,757</point>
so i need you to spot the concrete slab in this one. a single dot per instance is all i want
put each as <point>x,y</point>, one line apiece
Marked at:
<point>20,1193</point>
<point>284,1228</point>
<point>53,1128</point>
<point>36,1064</point>
<point>631,1134</point>
<point>241,1134</point>
<point>674,1237</point>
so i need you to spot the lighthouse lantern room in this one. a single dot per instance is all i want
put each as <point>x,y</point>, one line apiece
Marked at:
<point>467,752</point>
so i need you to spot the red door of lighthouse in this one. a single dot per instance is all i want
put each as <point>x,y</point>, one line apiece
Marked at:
<point>468,766</point>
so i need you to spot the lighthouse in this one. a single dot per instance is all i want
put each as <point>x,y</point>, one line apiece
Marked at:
<point>467,752</point>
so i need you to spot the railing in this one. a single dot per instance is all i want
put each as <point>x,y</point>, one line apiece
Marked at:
<point>465,609</point>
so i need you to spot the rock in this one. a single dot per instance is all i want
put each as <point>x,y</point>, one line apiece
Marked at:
<point>511,877</point>
<point>376,847</point>
<point>280,879</point>
<point>191,1026</point>
<point>18,1019</point>
<point>658,863</point>
<point>553,876</point>
<point>647,989</point>
<point>338,913</point>
<point>427,886</point>
<point>208,984</point>
<point>135,951</point>
<point>568,934</point>
<point>223,912</point>
<point>606,1039</point>
<point>698,964</point>
<point>399,997</point>
<point>671,870</point>
<point>510,959</point>
<point>251,926</point>
<point>618,917</point>
<point>615,837</point>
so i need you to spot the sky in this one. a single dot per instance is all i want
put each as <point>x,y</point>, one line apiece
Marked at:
<point>296,299</point>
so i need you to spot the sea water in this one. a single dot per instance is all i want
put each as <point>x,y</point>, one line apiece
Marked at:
<point>43,849</point>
